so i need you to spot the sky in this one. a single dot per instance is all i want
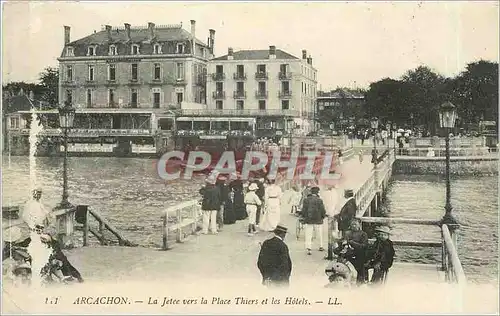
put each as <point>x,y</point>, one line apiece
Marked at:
<point>352,43</point>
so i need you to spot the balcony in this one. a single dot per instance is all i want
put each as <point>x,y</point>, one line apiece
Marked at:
<point>245,112</point>
<point>219,95</point>
<point>133,82</point>
<point>111,83</point>
<point>240,76</point>
<point>285,75</point>
<point>218,76</point>
<point>261,94</point>
<point>90,82</point>
<point>261,75</point>
<point>200,79</point>
<point>285,94</point>
<point>157,81</point>
<point>68,83</point>
<point>180,81</point>
<point>239,94</point>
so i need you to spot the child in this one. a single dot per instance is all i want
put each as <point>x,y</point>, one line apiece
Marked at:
<point>382,254</point>
<point>252,201</point>
<point>295,197</point>
<point>360,156</point>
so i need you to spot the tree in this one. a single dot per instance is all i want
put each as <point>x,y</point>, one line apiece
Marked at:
<point>387,100</point>
<point>49,81</point>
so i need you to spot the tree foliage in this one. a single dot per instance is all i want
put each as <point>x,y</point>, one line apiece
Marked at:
<point>414,99</point>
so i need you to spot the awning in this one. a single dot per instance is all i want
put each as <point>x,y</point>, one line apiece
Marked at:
<point>215,119</point>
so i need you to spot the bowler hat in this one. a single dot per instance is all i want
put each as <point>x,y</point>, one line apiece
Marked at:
<point>280,229</point>
<point>348,193</point>
<point>315,189</point>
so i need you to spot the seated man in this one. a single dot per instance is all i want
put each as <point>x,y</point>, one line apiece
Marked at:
<point>357,241</point>
<point>380,255</point>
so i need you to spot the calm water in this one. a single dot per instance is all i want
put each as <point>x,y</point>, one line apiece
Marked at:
<point>131,195</point>
<point>475,205</point>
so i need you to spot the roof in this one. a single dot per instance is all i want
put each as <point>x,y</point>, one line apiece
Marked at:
<point>257,55</point>
<point>138,35</point>
<point>16,103</point>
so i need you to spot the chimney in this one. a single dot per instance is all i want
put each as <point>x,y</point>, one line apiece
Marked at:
<point>310,60</point>
<point>67,31</point>
<point>151,28</point>
<point>193,35</point>
<point>21,92</point>
<point>32,95</point>
<point>230,53</point>
<point>272,52</point>
<point>127,31</point>
<point>212,40</point>
<point>304,54</point>
<point>108,31</point>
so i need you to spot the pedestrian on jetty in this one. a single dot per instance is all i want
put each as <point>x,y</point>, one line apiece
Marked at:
<point>238,197</point>
<point>35,213</point>
<point>381,255</point>
<point>210,204</point>
<point>360,156</point>
<point>274,261</point>
<point>330,197</point>
<point>223,189</point>
<point>272,210</point>
<point>347,212</point>
<point>252,202</point>
<point>261,192</point>
<point>295,198</point>
<point>313,212</point>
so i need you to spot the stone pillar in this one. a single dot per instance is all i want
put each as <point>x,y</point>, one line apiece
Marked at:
<point>65,223</point>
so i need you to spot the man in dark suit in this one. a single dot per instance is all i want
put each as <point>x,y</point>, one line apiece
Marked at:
<point>274,261</point>
<point>347,213</point>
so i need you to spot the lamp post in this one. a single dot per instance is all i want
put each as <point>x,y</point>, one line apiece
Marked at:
<point>447,117</point>
<point>66,118</point>
<point>374,125</point>
<point>290,130</point>
<point>394,137</point>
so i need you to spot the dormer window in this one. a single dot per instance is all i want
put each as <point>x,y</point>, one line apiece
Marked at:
<point>157,49</point>
<point>135,49</point>
<point>70,51</point>
<point>180,48</point>
<point>112,50</point>
<point>91,51</point>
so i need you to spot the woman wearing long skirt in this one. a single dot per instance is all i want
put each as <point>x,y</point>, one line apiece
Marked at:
<point>272,212</point>
<point>229,215</point>
<point>239,207</point>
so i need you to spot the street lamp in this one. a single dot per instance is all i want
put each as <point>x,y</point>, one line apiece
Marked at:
<point>447,117</point>
<point>66,118</point>
<point>394,132</point>
<point>374,125</point>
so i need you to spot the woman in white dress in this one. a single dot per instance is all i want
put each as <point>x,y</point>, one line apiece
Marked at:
<point>272,211</point>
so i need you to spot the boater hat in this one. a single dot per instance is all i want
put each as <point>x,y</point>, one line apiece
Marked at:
<point>253,187</point>
<point>383,229</point>
<point>280,229</point>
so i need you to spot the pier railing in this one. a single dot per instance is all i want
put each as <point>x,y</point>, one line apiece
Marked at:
<point>451,262</point>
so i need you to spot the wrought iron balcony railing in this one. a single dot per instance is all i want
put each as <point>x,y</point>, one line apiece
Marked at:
<point>285,75</point>
<point>285,94</point>
<point>219,94</point>
<point>239,94</point>
<point>261,75</point>
<point>261,94</point>
<point>218,76</point>
<point>240,76</point>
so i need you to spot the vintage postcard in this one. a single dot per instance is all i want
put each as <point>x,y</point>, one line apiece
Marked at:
<point>258,157</point>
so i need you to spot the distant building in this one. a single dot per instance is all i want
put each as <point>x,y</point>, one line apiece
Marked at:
<point>341,107</point>
<point>271,85</point>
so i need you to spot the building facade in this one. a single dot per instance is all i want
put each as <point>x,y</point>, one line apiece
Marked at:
<point>340,107</point>
<point>156,67</point>
<point>272,85</point>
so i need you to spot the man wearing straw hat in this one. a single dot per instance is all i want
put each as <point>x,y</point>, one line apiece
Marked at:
<point>381,254</point>
<point>274,260</point>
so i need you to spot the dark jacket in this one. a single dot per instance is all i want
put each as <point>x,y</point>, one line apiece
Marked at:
<point>211,198</point>
<point>274,261</point>
<point>313,211</point>
<point>347,214</point>
<point>382,252</point>
<point>224,191</point>
<point>261,191</point>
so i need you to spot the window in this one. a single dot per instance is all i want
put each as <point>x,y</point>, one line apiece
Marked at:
<point>202,50</point>
<point>14,122</point>
<point>285,86</point>
<point>180,97</point>
<point>134,71</point>
<point>261,69</point>
<point>112,50</point>
<point>180,48</point>
<point>133,98</point>
<point>91,51</point>
<point>262,104</point>
<point>285,105</point>
<point>262,87</point>
<point>156,97</point>
<point>157,49</point>
<point>157,71</point>
<point>135,49</point>
<point>180,71</point>
<point>91,72</point>
<point>112,72</point>
<point>240,87</point>
<point>69,96</point>
<point>69,73</point>
<point>89,98</point>
<point>219,86</point>
<point>219,69</point>
<point>284,68</point>
<point>218,105</point>
<point>240,70</point>
<point>70,51</point>
<point>111,97</point>
<point>240,105</point>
